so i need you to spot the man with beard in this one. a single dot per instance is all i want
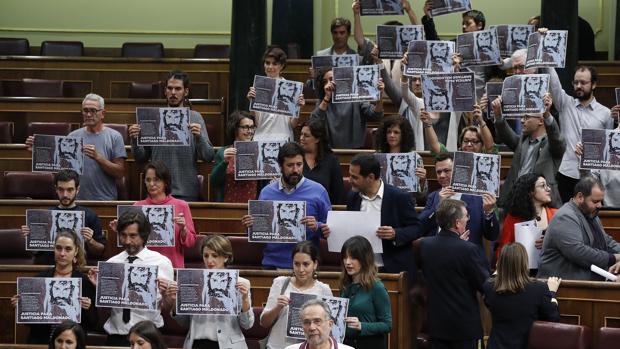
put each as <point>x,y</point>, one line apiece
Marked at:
<point>575,238</point>
<point>161,223</point>
<point>136,285</point>
<point>612,149</point>
<point>287,96</point>
<point>484,47</point>
<point>171,125</point>
<point>365,82</point>
<point>401,173</point>
<point>62,300</point>
<point>532,93</point>
<point>181,160</point>
<point>267,161</point>
<point>576,113</point>
<point>69,153</point>
<point>486,171</point>
<point>216,294</point>
<point>67,184</point>
<point>293,186</point>
<point>286,223</point>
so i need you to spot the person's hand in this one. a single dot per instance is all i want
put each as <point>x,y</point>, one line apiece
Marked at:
<point>381,86</point>
<point>325,230</point>
<point>180,221</point>
<point>386,232</point>
<point>243,289</point>
<point>14,300</point>
<point>579,149</point>
<point>25,230</point>
<point>353,322</point>
<point>425,117</point>
<point>329,89</point>
<point>445,193</point>
<point>229,154</point>
<point>247,221</point>
<point>456,62</point>
<point>91,151</point>
<point>404,60</point>
<point>428,6</point>
<point>356,7</point>
<point>615,111</point>
<point>85,302</point>
<point>488,202</point>
<point>113,224</point>
<point>195,128</point>
<point>374,54</point>
<point>496,105</point>
<point>477,113</point>
<point>543,30</point>
<point>134,131</point>
<point>420,172</point>
<point>310,222</point>
<point>87,233</point>
<point>406,6</point>
<point>93,273</point>
<point>29,143</point>
<point>615,269</point>
<point>465,235</point>
<point>282,301</point>
<point>251,93</point>
<point>539,242</point>
<point>301,101</point>
<point>484,102</point>
<point>553,282</point>
<point>548,101</point>
<point>168,289</point>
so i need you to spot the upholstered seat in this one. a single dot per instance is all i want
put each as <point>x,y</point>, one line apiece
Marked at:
<point>143,50</point>
<point>146,90</point>
<point>28,185</point>
<point>62,48</point>
<point>552,335</point>
<point>42,88</point>
<point>13,249</point>
<point>211,51</point>
<point>14,47</point>
<point>608,338</point>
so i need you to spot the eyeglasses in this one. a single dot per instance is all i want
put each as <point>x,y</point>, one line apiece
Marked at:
<point>90,111</point>
<point>544,186</point>
<point>471,141</point>
<point>316,322</point>
<point>247,128</point>
<point>581,82</point>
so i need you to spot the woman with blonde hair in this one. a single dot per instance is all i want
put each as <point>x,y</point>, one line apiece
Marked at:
<point>515,300</point>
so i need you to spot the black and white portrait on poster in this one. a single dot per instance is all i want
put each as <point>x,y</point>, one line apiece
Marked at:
<point>257,160</point>
<point>398,169</point>
<point>512,37</point>
<point>338,312</point>
<point>356,84</point>
<point>381,7</point>
<point>393,40</point>
<point>442,7</point>
<point>475,173</point>
<point>523,94</point>
<point>446,92</point>
<point>478,48</point>
<point>278,96</point>
<point>277,221</point>
<point>55,153</point>
<point>424,57</point>
<point>161,219</point>
<point>163,126</point>
<point>601,149</point>
<point>493,90</point>
<point>207,291</point>
<point>547,49</point>
<point>127,285</point>
<point>45,224</point>
<point>331,61</point>
<point>48,300</point>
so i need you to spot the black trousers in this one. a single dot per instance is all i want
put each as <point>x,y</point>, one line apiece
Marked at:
<point>447,344</point>
<point>205,344</point>
<point>566,186</point>
<point>117,340</point>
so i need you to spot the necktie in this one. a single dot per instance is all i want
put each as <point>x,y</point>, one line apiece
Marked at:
<point>127,312</point>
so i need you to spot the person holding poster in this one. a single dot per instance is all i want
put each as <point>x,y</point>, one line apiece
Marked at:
<point>516,300</point>
<point>304,280</point>
<point>210,331</point>
<point>68,259</point>
<point>369,317</point>
<point>240,127</point>
<point>158,182</point>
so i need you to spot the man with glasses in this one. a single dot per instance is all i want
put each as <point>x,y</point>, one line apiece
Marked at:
<point>539,149</point>
<point>180,160</point>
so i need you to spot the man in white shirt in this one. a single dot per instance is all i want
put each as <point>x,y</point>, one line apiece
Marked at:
<point>133,232</point>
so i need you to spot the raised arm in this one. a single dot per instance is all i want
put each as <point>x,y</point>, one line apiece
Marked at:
<point>358,32</point>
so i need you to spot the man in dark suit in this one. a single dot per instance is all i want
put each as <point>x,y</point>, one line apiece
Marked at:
<point>454,273</point>
<point>399,222</point>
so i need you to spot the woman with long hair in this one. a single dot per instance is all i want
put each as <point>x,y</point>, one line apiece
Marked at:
<point>320,164</point>
<point>528,200</point>
<point>68,259</point>
<point>67,335</point>
<point>515,300</point>
<point>241,126</point>
<point>144,335</point>
<point>370,315</point>
<point>216,331</point>
<point>303,280</point>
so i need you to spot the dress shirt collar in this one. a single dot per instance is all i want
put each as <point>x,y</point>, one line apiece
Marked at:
<point>281,186</point>
<point>588,106</point>
<point>141,255</point>
<point>378,195</point>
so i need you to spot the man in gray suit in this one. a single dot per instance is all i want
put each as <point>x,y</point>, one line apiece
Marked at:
<point>575,237</point>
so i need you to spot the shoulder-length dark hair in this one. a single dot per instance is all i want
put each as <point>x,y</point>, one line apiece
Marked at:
<point>319,131</point>
<point>78,332</point>
<point>306,247</point>
<point>512,269</point>
<point>407,140</point>
<point>357,247</point>
<point>161,172</point>
<point>319,81</point>
<point>520,201</point>
<point>150,333</point>
<point>234,120</point>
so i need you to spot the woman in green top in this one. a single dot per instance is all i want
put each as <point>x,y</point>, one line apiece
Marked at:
<point>370,313</point>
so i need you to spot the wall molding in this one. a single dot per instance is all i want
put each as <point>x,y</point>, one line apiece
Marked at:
<point>114,31</point>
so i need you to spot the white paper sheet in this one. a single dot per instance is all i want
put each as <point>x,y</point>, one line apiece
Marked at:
<point>604,273</point>
<point>526,233</point>
<point>345,224</point>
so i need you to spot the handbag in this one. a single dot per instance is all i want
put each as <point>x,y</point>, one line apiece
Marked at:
<point>263,342</point>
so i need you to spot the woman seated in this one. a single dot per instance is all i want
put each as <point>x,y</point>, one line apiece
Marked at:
<point>67,335</point>
<point>240,127</point>
<point>215,331</point>
<point>144,335</point>
<point>370,314</point>
<point>303,280</point>
<point>515,300</point>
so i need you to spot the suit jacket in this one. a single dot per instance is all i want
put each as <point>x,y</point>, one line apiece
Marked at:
<point>546,161</point>
<point>567,250</point>
<point>478,224</point>
<point>397,211</point>
<point>454,272</point>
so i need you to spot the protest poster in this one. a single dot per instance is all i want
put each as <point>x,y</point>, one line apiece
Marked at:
<point>523,94</point>
<point>55,153</point>
<point>512,37</point>
<point>163,126</point>
<point>338,312</point>
<point>276,96</point>
<point>48,300</point>
<point>356,84</point>
<point>493,90</point>
<point>207,291</point>
<point>277,221</point>
<point>478,48</point>
<point>393,40</point>
<point>443,7</point>
<point>331,61</point>
<point>346,224</point>
<point>424,57</point>
<point>161,219</point>
<point>398,169</point>
<point>44,225</point>
<point>446,92</point>
<point>126,285</point>
<point>546,49</point>
<point>526,233</point>
<point>257,160</point>
<point>475,173</point>
<point>380,7</point>
<point>601,149</point>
